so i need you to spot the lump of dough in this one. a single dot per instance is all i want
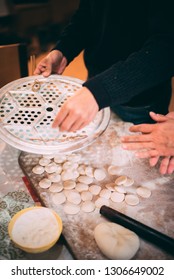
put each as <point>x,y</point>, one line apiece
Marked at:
<point>116,242</point>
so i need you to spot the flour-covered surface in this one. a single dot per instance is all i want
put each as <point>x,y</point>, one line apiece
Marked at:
<point>157,211</point>
<point>14,196</point>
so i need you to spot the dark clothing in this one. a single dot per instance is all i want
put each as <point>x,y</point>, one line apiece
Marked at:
<point>129,50</point>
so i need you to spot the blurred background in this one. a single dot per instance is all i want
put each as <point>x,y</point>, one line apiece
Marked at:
<point>36,22</point>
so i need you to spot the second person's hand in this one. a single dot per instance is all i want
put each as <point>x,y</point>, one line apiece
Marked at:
<point>53,63</point>
<point>77,112</point>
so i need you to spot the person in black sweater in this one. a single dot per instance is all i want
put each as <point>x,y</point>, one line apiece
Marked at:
<point>129,53</point>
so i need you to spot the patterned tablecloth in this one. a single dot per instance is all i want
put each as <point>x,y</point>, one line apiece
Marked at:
<point>14,196</point>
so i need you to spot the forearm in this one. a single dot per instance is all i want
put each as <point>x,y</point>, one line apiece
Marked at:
<point>142,70</point>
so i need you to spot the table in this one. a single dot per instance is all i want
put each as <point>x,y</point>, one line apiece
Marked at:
<point>14,196</point>
<point>156,212</point>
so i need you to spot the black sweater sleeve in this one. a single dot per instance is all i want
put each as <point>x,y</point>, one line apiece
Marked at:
<point>151,65</point>
<point>146,68</point>
<point>143,69</point>
<point>76,34</point>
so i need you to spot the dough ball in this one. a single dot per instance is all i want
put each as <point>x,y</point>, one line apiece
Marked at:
<point>116,242</point>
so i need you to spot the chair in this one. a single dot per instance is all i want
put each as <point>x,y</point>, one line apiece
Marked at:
<point>13,63</point>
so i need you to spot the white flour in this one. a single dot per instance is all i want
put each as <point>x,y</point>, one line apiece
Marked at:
<point>35,228</point>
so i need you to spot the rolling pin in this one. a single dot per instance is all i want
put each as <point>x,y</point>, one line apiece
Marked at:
<point>150,234</point>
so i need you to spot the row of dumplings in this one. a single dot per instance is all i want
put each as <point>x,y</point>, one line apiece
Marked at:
<point>78,186</point>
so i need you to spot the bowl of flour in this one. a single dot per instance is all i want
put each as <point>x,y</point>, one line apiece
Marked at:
<point>35,229</point>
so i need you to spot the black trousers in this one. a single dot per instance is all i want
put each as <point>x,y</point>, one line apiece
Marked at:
<point>140,114</point>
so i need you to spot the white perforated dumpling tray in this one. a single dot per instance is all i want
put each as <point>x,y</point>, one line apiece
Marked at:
<point>28,107</point>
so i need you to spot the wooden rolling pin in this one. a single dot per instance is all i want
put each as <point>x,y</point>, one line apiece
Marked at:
<point>150,234</point>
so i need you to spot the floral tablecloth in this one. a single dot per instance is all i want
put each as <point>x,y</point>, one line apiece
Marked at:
<point>10,204</point>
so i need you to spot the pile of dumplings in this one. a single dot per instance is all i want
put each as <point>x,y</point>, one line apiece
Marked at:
<point>79,186</point>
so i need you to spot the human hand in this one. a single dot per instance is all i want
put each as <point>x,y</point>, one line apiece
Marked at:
<point>53,63</point>
<point>155,140</point>
<point>166,164</point>
<point>78,111</point>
